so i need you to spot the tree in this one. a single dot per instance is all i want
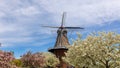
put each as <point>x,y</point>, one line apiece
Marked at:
<point>39,60</point>
<point>33,60</point>
<point>5,60</point>
<point>50,60</point>
<point>98,50</point>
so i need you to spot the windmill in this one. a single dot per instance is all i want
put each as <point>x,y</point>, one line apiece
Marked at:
<point>62,42</point>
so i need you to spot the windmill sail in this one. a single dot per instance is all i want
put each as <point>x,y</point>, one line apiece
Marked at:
<point>63,19</point>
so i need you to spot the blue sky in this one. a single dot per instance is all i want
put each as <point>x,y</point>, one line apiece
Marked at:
<point>21,21</point>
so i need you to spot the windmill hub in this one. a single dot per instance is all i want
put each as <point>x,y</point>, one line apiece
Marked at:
<point>63,31</point>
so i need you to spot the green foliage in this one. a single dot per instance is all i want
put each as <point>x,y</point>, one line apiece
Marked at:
<point>98,50</point>
<point>17,62</point>
<point>51,60</point>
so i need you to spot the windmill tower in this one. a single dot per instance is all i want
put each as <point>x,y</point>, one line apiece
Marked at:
<point>62,42</point>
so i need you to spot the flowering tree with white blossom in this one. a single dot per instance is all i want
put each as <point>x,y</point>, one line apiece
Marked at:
<point>98,50</point>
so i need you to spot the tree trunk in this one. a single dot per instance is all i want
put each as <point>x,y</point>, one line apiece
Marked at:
<point>107,65</point>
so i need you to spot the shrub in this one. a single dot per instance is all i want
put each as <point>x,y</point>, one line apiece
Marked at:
<point>5,60</point>
<point>33,60</point>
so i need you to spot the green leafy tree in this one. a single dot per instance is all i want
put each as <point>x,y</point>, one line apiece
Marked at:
<point>98,50</point>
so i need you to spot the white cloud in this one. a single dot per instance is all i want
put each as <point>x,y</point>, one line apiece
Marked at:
<point>16,40</point>
<point>27,11</point>
<point>11,34</point>
<point>20,19</point>
<point>2,14</point>
<point>88,11</point>
<point>16,21</point>
<point>6,28</point>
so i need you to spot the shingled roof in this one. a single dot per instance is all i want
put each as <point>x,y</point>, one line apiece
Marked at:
<point>61,40</point>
